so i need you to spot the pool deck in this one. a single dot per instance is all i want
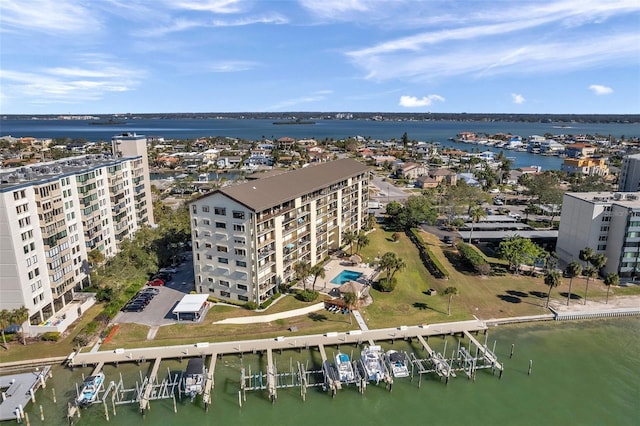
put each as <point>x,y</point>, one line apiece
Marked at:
<point>334,267</point>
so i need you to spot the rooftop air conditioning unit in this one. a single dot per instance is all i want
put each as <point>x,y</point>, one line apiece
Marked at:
<point>618,196</point>
<point>632,197</point>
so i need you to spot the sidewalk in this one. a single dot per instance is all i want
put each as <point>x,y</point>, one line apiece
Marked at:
<point>360,320</point>
<point>273,317</point>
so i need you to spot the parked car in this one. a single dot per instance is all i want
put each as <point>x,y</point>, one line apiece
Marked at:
<point>149,290</point>
<point>164,276</point>
<point>170,270</point>
<point>134,307</point>
<point>498,202</point>
<point>156,282</point>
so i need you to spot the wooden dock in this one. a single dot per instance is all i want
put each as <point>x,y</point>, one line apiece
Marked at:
<point>149,385</point>
<point>280,343</point>
<point>486,352</point>
<point>208,384</point>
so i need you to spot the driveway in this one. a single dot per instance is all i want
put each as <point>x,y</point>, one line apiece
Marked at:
<point>159,310</point>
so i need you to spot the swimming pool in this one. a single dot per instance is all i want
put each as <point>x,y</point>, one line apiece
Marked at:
<point>346,276</point>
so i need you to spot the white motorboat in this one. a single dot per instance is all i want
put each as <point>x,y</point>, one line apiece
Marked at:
<point>373,362</point>
<point>90,388</point>
<point>345,369</point>
<point>398,362</point>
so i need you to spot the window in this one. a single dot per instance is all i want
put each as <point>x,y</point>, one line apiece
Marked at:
<point>194,208</point>
<point>205,209</point>
<point>239,241</point>
<point>206,221</point>
<point>604,229</point>
<point>209,257</point>
<point>241,263</point>
<point>221,225</point>
<point>224,283</point>
<point>225,294</point>
<point>602,247</point>
<point>240,252</point>
<point>238,228</point>
<point>243,298</point>
<point>238,214</point>
<point>210,279</point>
<point>242,287</point>
<point>223,260</point>
<point>222,249</point>
<point>220,211</point>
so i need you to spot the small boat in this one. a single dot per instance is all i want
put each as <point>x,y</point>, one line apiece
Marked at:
<point>193,382</point>
<point>90,388</point>
<point>398,362</point>
<point>372,360</point>
<point>345,369</point>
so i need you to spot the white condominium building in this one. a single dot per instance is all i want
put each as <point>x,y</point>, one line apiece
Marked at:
<point>629,180</point>
<point>247,237</point>
<point>51,216</point>
<point>608,223</point>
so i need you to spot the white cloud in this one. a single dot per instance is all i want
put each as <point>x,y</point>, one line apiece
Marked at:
<point>214,6</point>
<point>517,98</point>
<point>267,19</point>
<point>599,89</point>
<point>49,16</point>
<point>230,66</point>
<point>413,101</point>
<point>336,9</point>
<point>89,80</point>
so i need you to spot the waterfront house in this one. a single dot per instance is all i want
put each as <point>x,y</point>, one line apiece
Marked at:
<point>585,166</point>
<point>579,150</point>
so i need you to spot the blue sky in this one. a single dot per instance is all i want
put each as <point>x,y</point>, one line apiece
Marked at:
<point>119,56</point>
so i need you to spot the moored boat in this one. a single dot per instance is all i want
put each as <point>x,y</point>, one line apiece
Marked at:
<point>90,388</point>
<point>398,362</point>
<point>345,369</point>
<point>372,360</point>
<point>193,381</point>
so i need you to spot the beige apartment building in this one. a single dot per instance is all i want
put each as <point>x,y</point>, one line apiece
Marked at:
<point>247,237</point>
<point>51,216</point>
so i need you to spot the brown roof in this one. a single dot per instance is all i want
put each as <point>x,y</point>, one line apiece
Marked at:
<point>441,172</point>
<point>264,193</point>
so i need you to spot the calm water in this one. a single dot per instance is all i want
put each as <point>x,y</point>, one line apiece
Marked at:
<point>584,373</point>
<point>429,131</point>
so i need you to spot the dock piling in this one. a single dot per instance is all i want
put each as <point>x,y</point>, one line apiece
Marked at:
<point>530,366</point>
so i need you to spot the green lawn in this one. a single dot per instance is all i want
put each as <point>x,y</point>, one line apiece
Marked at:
<point>409,304</point>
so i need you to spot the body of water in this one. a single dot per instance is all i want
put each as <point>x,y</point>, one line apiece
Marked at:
<point>250,129</point>
<point>584,373</point>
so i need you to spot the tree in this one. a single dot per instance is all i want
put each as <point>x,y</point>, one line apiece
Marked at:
<point>361,239</point>
<point>476,213</point>
<point>370,222</point>
<point>546,188</point>
<point>348,237</point>
<point>302,270</point>
<point>552,279</point>
<point>531,209</point>
<point>609,280</point>
<point>20,316</point>
<point>589,272</point>
<point>451,291</point>
<point>417,210</point>
<point>391,264</point>
<point>585,255</point>
<point>316,271</point>
<point>518,250</point>
<point>5,321</point>
<point>572,270</point>
<point>598,261</point>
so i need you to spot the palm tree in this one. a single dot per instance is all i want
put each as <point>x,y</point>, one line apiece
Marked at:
<point>585,255</point>
<point>316,270</point>
<point>609,280</point>
<point>19,316</point>
<point>361,239</point>
<point>451,291</point>
<point>572,270</point>
<point>348,237</point>
<point>589,272</point>
<point>397,266</point>
<point>476,213</point>
<point>598,261</point>
<point>302,269</point>
<point>552,279</point>
<point>5,321</point>
<point>391,264</point>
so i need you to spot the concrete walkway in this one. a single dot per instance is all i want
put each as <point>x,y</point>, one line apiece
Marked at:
<point>360,320</point>
<point>273,317</point>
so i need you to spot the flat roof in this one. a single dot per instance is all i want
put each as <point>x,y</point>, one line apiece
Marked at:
<point>500,235</point>
<point>497,225</point>
<point>263,193</point>
<point>191,303</point>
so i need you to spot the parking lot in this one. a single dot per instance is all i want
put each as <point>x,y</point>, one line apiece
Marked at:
<point>159,310</point>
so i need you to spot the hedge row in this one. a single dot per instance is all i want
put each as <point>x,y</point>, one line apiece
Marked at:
<point>473,258</point>
<point>429,260</point>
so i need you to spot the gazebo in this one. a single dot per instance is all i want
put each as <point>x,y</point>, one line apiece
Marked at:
<point>355,259</point>
<point>360,290</point>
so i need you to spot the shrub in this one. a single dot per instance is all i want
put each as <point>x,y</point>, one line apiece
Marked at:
<point>395,237</point>
<point>473,258</point>
<point>386,285</point>
<point>307,295</point>
<point>51,336</point>
<point>429,260</point>
<point>269,301</point>
<point>252,306</point>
